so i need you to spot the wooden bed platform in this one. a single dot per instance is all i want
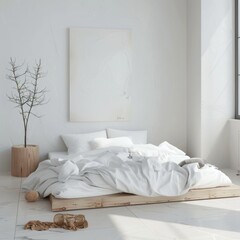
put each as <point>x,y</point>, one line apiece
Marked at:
<point>125,199</point>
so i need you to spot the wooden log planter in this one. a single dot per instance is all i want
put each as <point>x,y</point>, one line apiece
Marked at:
<point>24,160</point>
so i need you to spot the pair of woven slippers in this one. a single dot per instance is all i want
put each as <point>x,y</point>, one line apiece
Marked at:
<point>66,221</point>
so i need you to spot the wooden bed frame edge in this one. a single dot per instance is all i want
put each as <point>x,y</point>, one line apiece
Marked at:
<point>125,199</point>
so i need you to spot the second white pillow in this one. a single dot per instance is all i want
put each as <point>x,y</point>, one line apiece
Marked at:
<point>98,143</point>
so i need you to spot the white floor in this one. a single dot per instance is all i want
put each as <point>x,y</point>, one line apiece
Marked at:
<point>198,220</point>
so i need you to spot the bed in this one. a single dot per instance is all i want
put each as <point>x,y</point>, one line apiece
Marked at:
<point>118,172</point>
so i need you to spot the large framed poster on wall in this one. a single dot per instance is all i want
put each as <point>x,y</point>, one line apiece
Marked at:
<point>100,74</point>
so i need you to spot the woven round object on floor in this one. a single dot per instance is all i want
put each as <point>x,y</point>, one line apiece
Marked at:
<point>32,196</point>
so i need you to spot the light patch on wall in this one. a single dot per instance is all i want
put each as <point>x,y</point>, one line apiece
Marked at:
<point>100,74</point>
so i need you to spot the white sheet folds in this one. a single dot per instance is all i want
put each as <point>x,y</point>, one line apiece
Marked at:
<point>111,170</point>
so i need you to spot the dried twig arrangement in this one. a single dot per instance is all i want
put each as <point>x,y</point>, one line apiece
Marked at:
<point>27,94</point>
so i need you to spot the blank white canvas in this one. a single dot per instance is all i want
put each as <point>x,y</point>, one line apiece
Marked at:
<point>100,74</point>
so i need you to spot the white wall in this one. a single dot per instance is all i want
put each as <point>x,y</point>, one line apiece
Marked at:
<point>210,79</point>
<point>39,29</point>
<point>217,95</point>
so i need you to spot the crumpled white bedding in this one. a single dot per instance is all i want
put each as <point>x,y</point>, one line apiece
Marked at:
<point>148,171</point>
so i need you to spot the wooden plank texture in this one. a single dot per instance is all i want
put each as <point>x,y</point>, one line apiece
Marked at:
<point>125,199</point>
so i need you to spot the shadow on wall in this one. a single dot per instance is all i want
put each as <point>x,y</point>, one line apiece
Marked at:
<point>5,159</point>
<point>219,145</point>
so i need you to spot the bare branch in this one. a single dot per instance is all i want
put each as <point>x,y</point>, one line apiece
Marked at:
<point>28,93</point>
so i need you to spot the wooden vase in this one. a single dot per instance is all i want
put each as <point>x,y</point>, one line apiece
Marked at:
<point>24,160</point>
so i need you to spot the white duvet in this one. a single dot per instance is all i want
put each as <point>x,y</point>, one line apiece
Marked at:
<point>146,170</point>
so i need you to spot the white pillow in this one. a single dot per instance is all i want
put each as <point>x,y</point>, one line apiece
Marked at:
<point>78,143</point>
<point>138,137</point>
<point>111,142</point>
